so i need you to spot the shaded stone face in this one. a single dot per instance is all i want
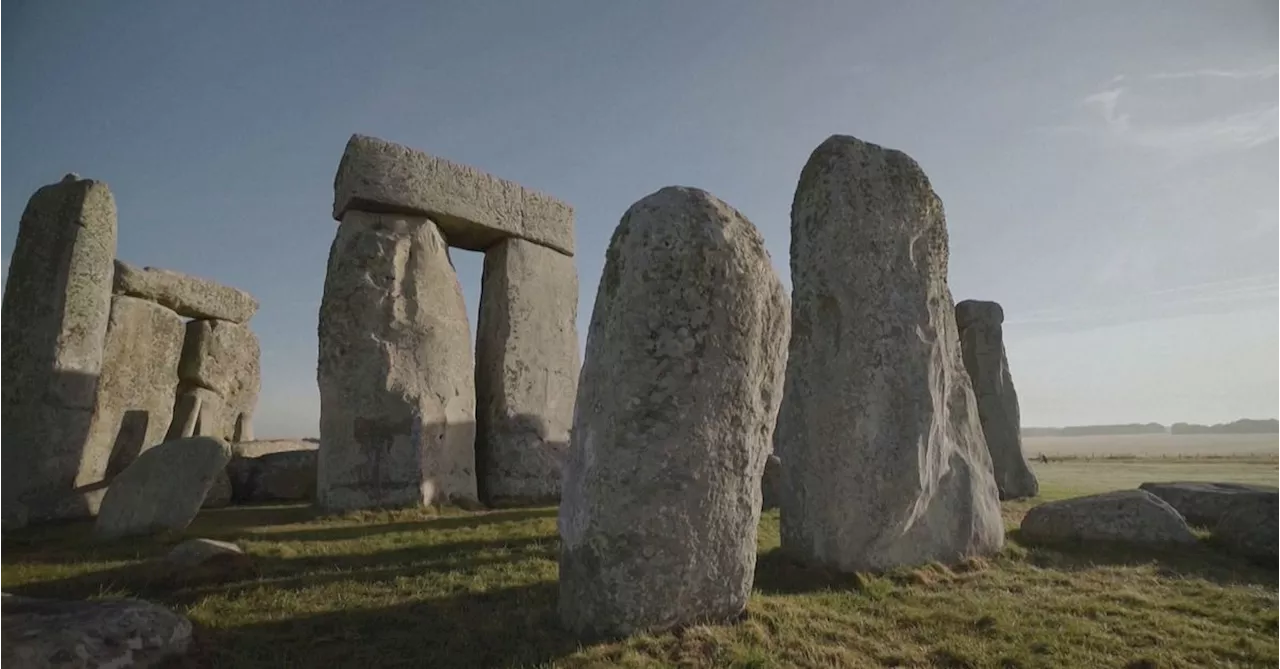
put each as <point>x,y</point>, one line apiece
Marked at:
<point>57,302</point>
<point>526,372</point>
<point>136,389</point>
<point>675,412</point>
<point>224,358</point>
<point>472,209</point>
<point>885,462</point>
<point>397,395</point>
<point>163,489</point>
<point>982,345</point>
<point>189,296</point>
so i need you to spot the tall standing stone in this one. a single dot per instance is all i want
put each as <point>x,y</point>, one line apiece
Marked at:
<point>57,300</point>
<point>224,358</point>
<point>982,343</point>
<point>526,372</point>
<point>885,460</point>
<point>674,417</point>
<point>136,387</point>
<point>397,394</point>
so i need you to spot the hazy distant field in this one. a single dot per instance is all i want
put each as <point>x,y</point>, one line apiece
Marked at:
<point>1152,445</point>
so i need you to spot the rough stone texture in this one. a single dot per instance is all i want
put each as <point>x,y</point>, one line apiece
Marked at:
<point>96,634</point>
<point>253,449</point>
<point>1129,516</point>
<point>396,375</point>
<point>526,372</point>
<point>274,477</point>
<point>194,553</point>
<point>474,210</point>
<point>1249,527</point>
<point>224,357</point>
<point>163,489</point>
<point>220,492</point>
<point>1200,502</point>
<point>200,412</point>
<point>674,418</point>
<point>982,344</point>
<point>770,482</point>
<point>57,300</point>
<point>136,387</point>
<point>190,296</point>
<point>886,464</point>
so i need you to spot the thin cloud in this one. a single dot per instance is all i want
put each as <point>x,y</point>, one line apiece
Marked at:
<point>1261,73</point>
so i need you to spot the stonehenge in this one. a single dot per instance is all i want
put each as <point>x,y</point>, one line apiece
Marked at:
<point>982,347</point>
<point>674,417</point>
<point>101,362</point>
<point>885,461</point>
<point>409,416</point>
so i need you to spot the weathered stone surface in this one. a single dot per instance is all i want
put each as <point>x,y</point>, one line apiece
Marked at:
<point>188,295</point>
<point>1250,527</point>
<point>674,417</point>
<point>253,449</point>
<point>474,210</point>
<point>982,344</point>
<point>274,477</point>
<point>885,460</point>
<point>222,356</point>
<point>1203,503</point>
<point>136,387</point>
<point>770,482</point>
<point>54,505</point>
<point>219,494</point>
<point>200,412</point>
<point>40,633</point>
<point>57,300</point>
<point>526,372</point>
<point>195,553</point>
<point>396,375</point>
<point>163,489</point>
<point>1129,516</point>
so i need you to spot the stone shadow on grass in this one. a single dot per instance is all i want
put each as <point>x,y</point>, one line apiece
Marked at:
<point>471,520</point>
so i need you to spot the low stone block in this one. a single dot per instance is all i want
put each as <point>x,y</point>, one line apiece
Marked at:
<point>1128,516</point>
<point>97,633</point>
<point>1203,503</point>
<point>473,209</point>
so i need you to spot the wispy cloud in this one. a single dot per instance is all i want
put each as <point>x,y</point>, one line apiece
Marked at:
<point>1260,73</point>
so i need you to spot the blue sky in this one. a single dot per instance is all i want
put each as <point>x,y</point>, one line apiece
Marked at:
<point>1108,170</point>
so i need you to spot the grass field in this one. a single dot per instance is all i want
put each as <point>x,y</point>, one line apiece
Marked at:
<point>454,589</point>
<point>1154,446</point>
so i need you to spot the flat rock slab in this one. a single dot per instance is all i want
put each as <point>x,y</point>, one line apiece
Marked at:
<point>1203,503</point>
<point>190,296</point>
<point>1250,527</point>
<point>885,461</point>
<point>163,489</point>
<point>474,210</point>
<point>197,559</point>
<point>40,633</point>
<point>526,372</point>
<point>57,302</point>
<point>675,412</point>
<point>1128,516</point>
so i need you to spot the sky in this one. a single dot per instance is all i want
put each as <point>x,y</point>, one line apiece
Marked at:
<point>1108,170</point>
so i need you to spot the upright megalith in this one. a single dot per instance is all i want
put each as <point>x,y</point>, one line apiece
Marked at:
<point>397,396</point>
<point>57,301</point>
<point>136,387</point>
<point>885,460</point>
<point>982,343</point>
<point>675,413</point>
<point>526,372</point>
<point>224,358</point>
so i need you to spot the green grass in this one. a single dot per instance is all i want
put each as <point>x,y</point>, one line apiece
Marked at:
<point>454,589</point>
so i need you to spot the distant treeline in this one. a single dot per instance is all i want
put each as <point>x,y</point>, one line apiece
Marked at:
<point>1243,426</point>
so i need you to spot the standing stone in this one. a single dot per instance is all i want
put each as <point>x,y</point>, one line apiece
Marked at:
<point>135,390</point>
<point>674,417</point>
<point>885,460</point>
<point>224,357</point>
<point>163,489</point>
<point>57,300</point>
<point>397,393</point>
<point>526,372</point>
<point>982,346</point>
<point>197,412</point>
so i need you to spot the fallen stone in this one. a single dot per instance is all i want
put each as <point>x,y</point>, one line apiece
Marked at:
<point>190,296</point>
<point>474,210</point>
<point>206,556</point>
<point>41,633</point>
<point>163,489</point>
<point>770,481</point>
<point>982,344</point>
<point>253,449</point>
<point>274,477</point>
<point>219,493</point>
<point>526,372</point>
<point>1128,516</point>
<point>1249,527</point>
<point>1203,503</point>
<point>136,387</point>
<point>678,396</point>
<point>57,301</point>
<point>886,464</point>
<point>396,375</point>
